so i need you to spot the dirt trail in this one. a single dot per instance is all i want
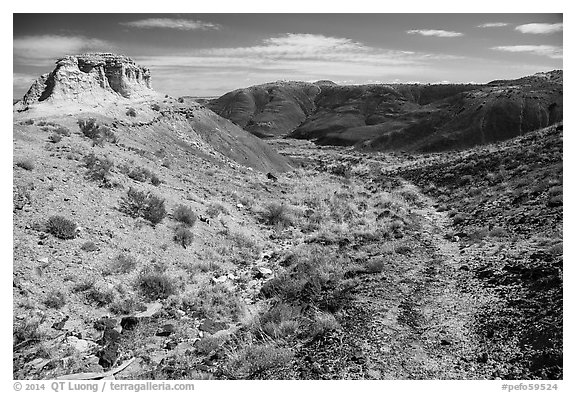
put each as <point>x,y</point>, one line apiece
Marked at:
<point>411,321</point>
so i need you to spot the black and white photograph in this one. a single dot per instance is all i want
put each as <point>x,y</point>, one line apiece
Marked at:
<point>287,196</point>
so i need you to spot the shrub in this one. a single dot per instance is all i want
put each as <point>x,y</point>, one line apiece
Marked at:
<point>156,285</point>
<point>99,168</point>
<point>100,296</point>
<point>61,227</point>
<point>276,214</point>
<point>126,306</point>
<point>458,219</point>
<point>98,133</point>
<point>214,209</point>
<point>216,302</point>
<point>55,138</point>
<point>142,174</point>
<point>143,204</point>
<point>375,265</point>
<point>155,107</point>
<point>27,330</point>
<point>183,236</point>
<point>185,215</point>
<point>25,164</point>
<point>55,299</point>
<point>131,112</point>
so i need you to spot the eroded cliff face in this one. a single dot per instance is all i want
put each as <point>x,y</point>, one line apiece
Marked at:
<point>91,77</point>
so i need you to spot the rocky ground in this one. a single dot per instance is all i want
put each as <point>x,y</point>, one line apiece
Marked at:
<point>352,265</point>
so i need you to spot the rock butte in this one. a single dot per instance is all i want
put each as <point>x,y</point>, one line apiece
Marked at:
<point>91,77</point>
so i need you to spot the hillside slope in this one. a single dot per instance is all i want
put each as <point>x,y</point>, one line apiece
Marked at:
<point>397,117</point>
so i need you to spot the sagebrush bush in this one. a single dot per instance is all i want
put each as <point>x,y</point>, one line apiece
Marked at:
<point>99,169</point>
<point>185,215</point>
<point>143,204</point>
<point>27,330</point>
<point>100,296</point>
<point>214,209</point>
<point>61,227</point>
<point>155,285</point>
<point>142,174</point>
<point>131,112</point>
<point>183,236</point>
<point>89,246</point>
<point>98,133</point>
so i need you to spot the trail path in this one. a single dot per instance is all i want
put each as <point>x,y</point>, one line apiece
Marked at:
<point>411,321</point>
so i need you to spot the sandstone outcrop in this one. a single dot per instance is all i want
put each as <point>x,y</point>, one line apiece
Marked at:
<point>91,77</point>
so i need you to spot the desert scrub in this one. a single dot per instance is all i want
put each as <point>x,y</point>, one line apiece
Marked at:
<point>98,133</point>
<point>89,246</point>
<point>255,359</point>
<point>99,169</point>
<point>156,285</point>
<point>55,299</point>
<point>131,112</point>
<point>183,236</point>
<point>143,204</point>
<point>61,227</point>
<point>141,174</point>
<point>280,321</point>
<point>276,214</point>
<point>123,263</point>
<point>28,330</point>
<point>243,250</point>
<point>25,164</point>
<point>100,295</point>
<point>185,215</point>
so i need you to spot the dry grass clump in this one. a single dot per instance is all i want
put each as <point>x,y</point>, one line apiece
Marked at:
<point>215,209</point>
<point>276,214</point>
<point>253,360</point>
<point>55,299</point>
<point>156,285</point>
<point>215,301</point>
<point>141,174</point>
<point>123,263</point>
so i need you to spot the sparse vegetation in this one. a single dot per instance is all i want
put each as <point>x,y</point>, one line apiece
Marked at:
<point>276,214</point>
<point>55,299</point>
<point>61,227</point>
<point>142,174</point>
<point>131,112</point>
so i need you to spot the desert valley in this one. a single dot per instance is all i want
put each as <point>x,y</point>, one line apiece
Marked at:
<point>287,230</point>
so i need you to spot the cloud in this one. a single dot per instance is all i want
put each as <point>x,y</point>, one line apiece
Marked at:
<point>169,23</point>
<point>436,33</point>
<point>540,28</point>
<point>497,24</point>
<point>35,50</point>
<point>554,52</point>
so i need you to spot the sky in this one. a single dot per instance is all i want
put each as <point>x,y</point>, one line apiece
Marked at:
<point>211,54</point>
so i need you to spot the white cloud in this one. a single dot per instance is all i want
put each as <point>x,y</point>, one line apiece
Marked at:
<point>496,24</point>
<point>554,52</point>
<point>170,23</point>
<point>540,28</point>
<point>436,33</point>
<point>32,50</point>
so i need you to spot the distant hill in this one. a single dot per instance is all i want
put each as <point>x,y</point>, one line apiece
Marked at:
<point>411,117</point>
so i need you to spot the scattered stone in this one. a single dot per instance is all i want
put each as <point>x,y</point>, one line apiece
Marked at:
<point>129,323</point>
<point>60,324</point>
<point>210,326</point>
<point>79,344</point>
<point>166,330</point>
<point>151,309</point>
<point>220,279</point>
<point>105,323</point>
